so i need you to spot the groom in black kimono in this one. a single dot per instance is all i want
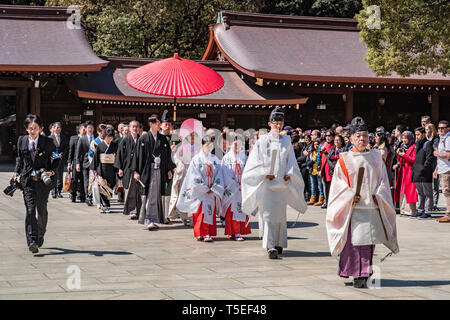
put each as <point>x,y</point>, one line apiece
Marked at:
<point>153,167</point>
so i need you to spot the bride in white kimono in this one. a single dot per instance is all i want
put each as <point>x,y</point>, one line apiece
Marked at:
<point>182,157</point>
<point>271,181</point>
<point>233,164</point>
<point>201,192</point>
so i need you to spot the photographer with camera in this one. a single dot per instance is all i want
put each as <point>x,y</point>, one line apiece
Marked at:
<point>36,164</point>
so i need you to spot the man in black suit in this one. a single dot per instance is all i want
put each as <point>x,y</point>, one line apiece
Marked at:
<point>62,147</point>
<point>36,165</point>
<point>82,161</point>
<point>118,139</point>
<point>123,162</point>
<point>119,136</point>
<point>77,177</point>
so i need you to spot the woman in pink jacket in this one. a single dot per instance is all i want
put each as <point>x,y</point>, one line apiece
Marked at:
<point>405,190</point>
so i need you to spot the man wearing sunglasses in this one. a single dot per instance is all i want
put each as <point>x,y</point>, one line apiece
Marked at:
<point>443,165</point>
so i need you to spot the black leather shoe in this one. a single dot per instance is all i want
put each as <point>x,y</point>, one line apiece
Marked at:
<point>60,195</point>
<point>33,247</point>
<point>279,249</point>
<point>359,282</point>
<point>54,196</point>
<point>41,242</point>
<point>273,254</point>
<point>324,206</point>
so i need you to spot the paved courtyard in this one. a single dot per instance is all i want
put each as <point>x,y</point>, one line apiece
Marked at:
<point>119,259</point>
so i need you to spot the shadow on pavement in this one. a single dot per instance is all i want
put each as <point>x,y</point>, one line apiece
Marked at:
<point>290,224</point>
<point>90,252</point>
<point>290,253</point>
<point>413,283</point>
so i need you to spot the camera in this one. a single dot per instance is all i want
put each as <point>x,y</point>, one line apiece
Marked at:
<point>41,174</point>
<point>13,186</point>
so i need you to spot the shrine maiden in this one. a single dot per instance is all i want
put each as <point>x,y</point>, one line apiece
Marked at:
<point>201,192</point>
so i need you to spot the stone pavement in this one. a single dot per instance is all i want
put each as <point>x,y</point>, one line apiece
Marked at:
<point>119,259</point>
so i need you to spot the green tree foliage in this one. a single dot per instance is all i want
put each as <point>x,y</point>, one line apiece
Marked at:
<point>158,28</point>
<point>324,8</point>
<point>413,37</point>
<point>24,2</point>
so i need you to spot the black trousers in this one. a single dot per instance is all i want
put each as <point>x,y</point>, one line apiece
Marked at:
<point>85,173</point>
<point>78,185</point>
<point>35,195</point>
<point>326,187</point>
<point>59,178</point>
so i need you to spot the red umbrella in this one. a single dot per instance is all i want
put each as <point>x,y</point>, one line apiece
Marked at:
<point>175,77</point>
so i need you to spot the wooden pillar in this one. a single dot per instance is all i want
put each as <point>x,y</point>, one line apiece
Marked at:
<point>21,109</point>
<point>98,114</point>
<point>435,107</point>
<point>35,101</point>
<point>349,106</point>
<point>223,118</point>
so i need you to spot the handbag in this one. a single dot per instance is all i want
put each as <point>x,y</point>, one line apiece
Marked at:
<point>119,185</point>
<point>67,186</point>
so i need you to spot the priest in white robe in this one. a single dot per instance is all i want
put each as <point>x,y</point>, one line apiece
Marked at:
<point>355,223</point>
<point>233,163</point>
<point>272,180</point>
<point>201,192</point>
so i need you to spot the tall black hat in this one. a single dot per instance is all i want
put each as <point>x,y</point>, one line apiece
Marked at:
<point>357,125</point>
<point>165,116</point>
<point>276,115</point>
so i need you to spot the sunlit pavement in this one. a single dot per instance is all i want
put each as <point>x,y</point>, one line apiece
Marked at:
<point>88,255</point>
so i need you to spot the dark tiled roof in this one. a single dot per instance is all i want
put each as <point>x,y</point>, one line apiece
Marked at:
<point>110,84</point>
<point>43,39</point>
<point>300,48</point>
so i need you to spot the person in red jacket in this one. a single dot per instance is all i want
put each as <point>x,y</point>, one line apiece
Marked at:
<point>405,190</point>
<point>325,170</point>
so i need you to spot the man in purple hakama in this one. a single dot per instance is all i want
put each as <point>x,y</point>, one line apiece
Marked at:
<point>355,223</point>
<point>355,261</point>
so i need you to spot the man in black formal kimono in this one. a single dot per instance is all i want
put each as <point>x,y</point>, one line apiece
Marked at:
<point>153,167</point>
<point>103,167</point>
<point>62,148</point>
<point>77,177</point>
<point>36,161</point>
<point>124,161</point>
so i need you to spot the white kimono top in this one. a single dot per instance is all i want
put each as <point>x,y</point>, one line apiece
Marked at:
<point>204,174</point>
<point>370,223</point>
<point>255,185</point>
<point>233,165</point>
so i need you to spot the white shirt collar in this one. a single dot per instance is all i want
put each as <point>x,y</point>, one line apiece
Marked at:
<point>31,140</point>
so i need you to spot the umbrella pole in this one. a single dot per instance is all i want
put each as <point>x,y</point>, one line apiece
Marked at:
<point>174,109</point>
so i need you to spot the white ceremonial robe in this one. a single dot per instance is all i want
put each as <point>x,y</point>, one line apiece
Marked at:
<point>232,194</point>
<point>366,220</point>
<point>182,158</point>
<point>270,197</point>
<point>196,184</point>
